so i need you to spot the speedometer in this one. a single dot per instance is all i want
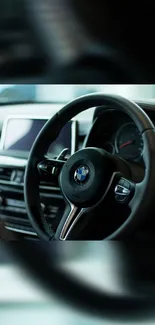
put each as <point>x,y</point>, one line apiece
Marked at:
<point>129,142</point>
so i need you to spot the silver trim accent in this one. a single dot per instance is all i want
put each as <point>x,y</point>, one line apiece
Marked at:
<point>73,136</point>
<point>21,231</point>
<point>125,191</point>
<point>64,233</point>
<point>42,187</point>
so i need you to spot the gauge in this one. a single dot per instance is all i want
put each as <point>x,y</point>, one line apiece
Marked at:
<point>129,142</point>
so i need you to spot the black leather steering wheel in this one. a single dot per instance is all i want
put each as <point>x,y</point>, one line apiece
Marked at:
<point>91,174</point>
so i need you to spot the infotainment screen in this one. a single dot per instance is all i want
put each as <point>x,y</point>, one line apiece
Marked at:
<point>18,135</point>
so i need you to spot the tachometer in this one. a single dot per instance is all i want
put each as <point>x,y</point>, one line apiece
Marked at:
<point>129,142</point>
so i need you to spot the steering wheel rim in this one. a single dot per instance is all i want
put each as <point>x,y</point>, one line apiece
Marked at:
<point>145,189</point>
<point>42,263</point>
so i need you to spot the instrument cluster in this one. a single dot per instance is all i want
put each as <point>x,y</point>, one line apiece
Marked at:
<point>127,142</point>
<point>116,133</point>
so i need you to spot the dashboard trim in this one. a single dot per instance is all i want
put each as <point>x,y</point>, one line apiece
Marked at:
<point>22,184</point>
<point>6,161</point>
<point>26,232</point>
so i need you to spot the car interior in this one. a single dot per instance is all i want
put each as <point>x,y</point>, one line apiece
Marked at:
<point>77,168</point>
<point>81,170</point>
<point>77,162</point>
<point>38,42</point>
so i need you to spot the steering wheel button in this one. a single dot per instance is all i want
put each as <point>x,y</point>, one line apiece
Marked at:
<point>121,182</point>
<point>120,188</point>
<point>123,198</point>
<point>124,183</point>
<point>127,184</point>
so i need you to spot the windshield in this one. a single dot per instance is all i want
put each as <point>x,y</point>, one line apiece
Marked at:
<point>65,93</point>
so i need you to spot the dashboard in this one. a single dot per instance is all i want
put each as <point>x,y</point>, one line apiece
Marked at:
<point>106,128</point>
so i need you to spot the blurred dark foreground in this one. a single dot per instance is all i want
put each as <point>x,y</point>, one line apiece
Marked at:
<point>110,280</point>
<point>75,41</point>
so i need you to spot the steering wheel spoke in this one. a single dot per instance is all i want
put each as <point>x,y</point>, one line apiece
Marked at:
<point>70,218</point>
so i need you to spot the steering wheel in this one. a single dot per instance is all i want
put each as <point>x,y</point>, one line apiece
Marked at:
<point>91,177</point>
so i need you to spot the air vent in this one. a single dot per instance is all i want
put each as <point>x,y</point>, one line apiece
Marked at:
<point>5,173</point>
<point>11,174</point>
<point>48,183</point>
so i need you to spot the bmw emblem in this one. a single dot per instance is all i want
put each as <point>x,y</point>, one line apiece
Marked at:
<point>81,175</point>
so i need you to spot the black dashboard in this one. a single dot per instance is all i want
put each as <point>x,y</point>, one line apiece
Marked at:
<point>107,128</point>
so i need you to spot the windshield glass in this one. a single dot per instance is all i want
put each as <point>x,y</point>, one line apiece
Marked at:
<point>65,93</point>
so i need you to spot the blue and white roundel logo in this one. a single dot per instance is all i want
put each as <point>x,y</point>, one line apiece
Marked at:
<point>81,174</point>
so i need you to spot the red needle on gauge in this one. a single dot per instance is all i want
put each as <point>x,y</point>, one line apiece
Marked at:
<point>126,144</point>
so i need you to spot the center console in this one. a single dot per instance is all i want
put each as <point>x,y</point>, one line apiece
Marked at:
<point>17,138</point>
